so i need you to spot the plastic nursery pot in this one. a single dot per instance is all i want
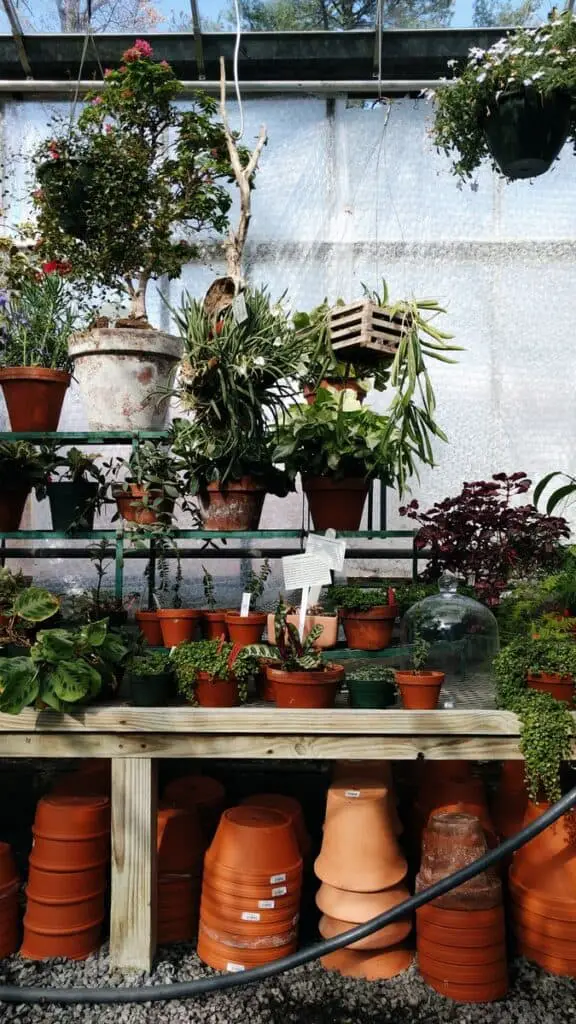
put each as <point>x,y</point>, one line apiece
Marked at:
<point>213,692</point>
<point>70,854</point>
<point>8,872</point>
<point>72,503</point>
<point>289,806</point>
<point>178,625</point>
<point>12,504</point>
<point>560,687</point>
<point>419,690</point>
<point>213,624</point>
<point>69,885</point>
<point>525,130</point>
<point>370,693</point>
<point>150,691</point>
<point>257,839</point>
<point>359,907</point>
<point>237,506</point>
<point>72,817</point>
<point>34,396</point>
<point>198,793</point>
<point>139,505</point>
<point>245,629</point>
<point>373,966</point>
<point>77,945</point>
<point>390,935</point>
<point>56,916</point>
<point>336,504</point>
<point>461,956</point>
<point>370,630</point>
<point>149,626</point>
<point>328,637</point>
<point>360,851</point>
<point>180,842</point>
<point>312,689</point>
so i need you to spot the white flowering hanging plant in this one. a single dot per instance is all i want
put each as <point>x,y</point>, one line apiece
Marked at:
<point>542,59</point>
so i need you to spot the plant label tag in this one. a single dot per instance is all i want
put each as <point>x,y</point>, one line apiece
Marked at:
<point>267,904</point>
<point>277,878</point>
<point>281,891</point>
<point>331,550</point>
<point>353,794</point>
<point>305,571</point>
<point>245,606</point>
<point>303,610</point>
<point>235,968</point>
<point>250,915</point>
<point>239,311</point>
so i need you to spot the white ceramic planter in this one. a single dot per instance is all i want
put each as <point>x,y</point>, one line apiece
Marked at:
<point>121,372</point>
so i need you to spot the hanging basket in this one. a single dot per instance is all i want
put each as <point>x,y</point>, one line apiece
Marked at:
<point>367,330</point>
<point>525,131</point>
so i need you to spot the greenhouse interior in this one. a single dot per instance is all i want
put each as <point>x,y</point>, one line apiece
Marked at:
<point>287,492</point>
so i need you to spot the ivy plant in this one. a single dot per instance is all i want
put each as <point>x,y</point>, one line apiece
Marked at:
<point>220,660</point>
<point>357,599</point>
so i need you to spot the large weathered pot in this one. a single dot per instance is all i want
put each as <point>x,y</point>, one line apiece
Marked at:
<point>236,505</point>
<point>122,372</point>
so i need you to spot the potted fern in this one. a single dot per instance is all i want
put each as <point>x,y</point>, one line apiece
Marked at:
<point>213,621</point>
<point>419,688</point>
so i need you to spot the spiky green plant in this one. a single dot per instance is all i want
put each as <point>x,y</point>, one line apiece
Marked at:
<point>289,653</point>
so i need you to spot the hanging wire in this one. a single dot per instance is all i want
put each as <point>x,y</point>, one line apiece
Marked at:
<point>236,59</point>
<point>80,70</point>
<point>379,31</point>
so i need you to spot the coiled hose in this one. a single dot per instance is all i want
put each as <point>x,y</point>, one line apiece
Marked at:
<point>203,986</point>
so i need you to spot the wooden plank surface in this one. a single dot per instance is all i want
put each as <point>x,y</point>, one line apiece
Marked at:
<point>134,876</point>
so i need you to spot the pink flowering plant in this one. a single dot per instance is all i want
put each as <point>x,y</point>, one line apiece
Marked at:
<point>542,60</point>
<point>122,195</point>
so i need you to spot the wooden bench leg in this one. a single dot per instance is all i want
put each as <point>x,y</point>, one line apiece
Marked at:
<point>134,878</point>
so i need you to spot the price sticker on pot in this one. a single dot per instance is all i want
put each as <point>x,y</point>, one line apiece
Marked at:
<point>352,794</point>
<point>277,878</point>
<point>235,968</point>
<point>280,891</point>
<point>250,915</point>
<point>267,904</point>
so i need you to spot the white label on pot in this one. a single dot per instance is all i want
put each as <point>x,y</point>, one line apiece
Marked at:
<point>352,793</point>
<point>249,915</point>
<point>245,606</point>
<point>277,878</point>
<point>239,311</point>
<point>281,891</point>
<point>235,968</point>
<point>267,904</point>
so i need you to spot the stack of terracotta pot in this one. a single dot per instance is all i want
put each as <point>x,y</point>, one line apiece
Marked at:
<point>202,796</point>
<point>292,808</point>
<point>450,786</point>
<point>9,884</point>
<point>543,895</point>
<point>251,890</point>
<point>93,778</point>
<point>181,846</point>
<point>461,938</point>
<point>363,873</point>
<point>67,878</point>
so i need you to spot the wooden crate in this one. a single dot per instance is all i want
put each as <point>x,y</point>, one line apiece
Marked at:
<point>365,329</point>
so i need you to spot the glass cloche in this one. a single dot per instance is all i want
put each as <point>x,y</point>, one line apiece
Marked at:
<point>463,635</point>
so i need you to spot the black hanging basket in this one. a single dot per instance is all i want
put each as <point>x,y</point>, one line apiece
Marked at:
<point>526,130</point>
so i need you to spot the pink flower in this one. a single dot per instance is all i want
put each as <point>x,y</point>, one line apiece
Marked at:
<point>38,195</point>
<point>144,47</point>
<point>164,64</point>
<point>97,101</point>
<point>108,72</point>
<point>122,68</point>
<point>140,51</point>
<point>108,128</point>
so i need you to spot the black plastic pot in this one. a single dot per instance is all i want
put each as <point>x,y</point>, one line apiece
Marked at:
<point>371,693</point>
<point>72,504</point>
<point>150,691</point>
<point>525,131</point>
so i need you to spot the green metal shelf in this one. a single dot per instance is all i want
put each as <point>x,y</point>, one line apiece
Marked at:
<point>199,534</point>
<point>87,436</point>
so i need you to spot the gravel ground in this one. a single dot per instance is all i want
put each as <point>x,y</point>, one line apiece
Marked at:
<point>308,995</point>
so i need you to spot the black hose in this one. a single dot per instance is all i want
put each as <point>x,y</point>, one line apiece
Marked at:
<point>188,989</point>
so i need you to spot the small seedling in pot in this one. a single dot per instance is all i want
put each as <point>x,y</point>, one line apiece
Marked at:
<point>208,587</point>
<point>420,653</point>
<point>256,583</point>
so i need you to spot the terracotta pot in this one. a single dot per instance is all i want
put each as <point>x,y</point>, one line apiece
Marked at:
<point>229,958</point>
<point>55,917</point>
<point>180,842</point>
<point>201,793</point>
<point>558,686</point>
<point>212,692</point>
<point>257,839</point>
<point>546,926</point>
<point>213,624</point>
<point>289,806</point>
<point>419,690</point>
<point>358,907</point>
<point>328,637</point>
<point>470,956</point>
<point>34,397</point>
<point>390,935</point>
<point>72,945</point>
<point>171,932</point>
<point>370,630</point>
<point>130,501</point>
<point>12,504</point>
<point>149,625</point>
<point>353,963</point>
<point>177,894</point>
<point>473,936</point>
<point>335,504</point>
<point>237,507</point>
<point>306,689</point>
<point>551,963</point>
<point>72,885</point>
<point>253,888</point>
<point>547,863</point>
<point>8,872</point>
<point>475,810</point>
<point>336,384</point>
<point>487,993</point>
<point>452,841</point>
<point>231,913</point>
<point>459,920</point>
<point>360,851</point>
<point>550,945</point>
<point>93,779</point>
<point>435,795</point>
<point>178,625</point>
<point>247,934</point>
<point>463,974</point>
<point>509,804</point>
<point>557,908</point>
<point>72,817</point>
<point>70,855</point>
<point>245,629</point>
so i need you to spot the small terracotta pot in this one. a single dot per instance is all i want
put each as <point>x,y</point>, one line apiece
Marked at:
<point>253,888</point>
<point>34,397</point>
<point>509,804</point>
<point>558,686</point>
<point>289,806</point>
<point>310,689</point>
<point>72,885</point>
<point>8,872</point>
<point>170,932</point>
<point>370,630</point>
<point>180,842</point>
<point>212,692</point>
<point>353,963</point>
<point>178,625</point>
<point>229,958</point>
<point>359,851</point>
<point>257,839</point>
<point>551,963</point>
<point>419,690</point>
<point>534,902</point>
<point>359,907</point>
<point>548,926</point>
<point>71,946</point>
<point>12,502</point>
<point>487,993</point>
<point>452,841</point>
<point>471,956</point>
<point>70,855</point>
<point>245,629</point>
<point>213,624</point>
<point>131,508</point>
<point>55,917</point>
<point>460,920</point>
<point>547,863</point>
<point>149,625</point>
<point>328,637</point>
<point>473,936</point>
<point>72,817</point>
<point>464,974</point>
<point>237,507</point>
<point>336,504</point>
<point>231,913</point>
<point>201,793</point>
<point>390,935</point>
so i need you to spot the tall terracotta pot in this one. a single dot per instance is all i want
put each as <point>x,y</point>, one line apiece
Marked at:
<point>34,397</point>
<point>336,504</point>
<point>235,506</point>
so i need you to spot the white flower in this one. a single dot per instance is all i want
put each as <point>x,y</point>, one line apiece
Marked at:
<point>511,79</point>
<point>259,361</point>
<point>537,74</point>
<point>481,77</point>
<point>277,343</point>
<point>527,81</point>
<point>452,63</point>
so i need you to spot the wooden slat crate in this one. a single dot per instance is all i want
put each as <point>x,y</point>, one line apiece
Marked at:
<point>367,327</point>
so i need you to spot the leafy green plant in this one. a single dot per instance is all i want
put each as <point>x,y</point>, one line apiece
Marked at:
<point>154,468</point>
<point>37,322</point>
<point>537,59</point>
<point>123,193</point>
<point>218,659</point>
<point>560,494</point>
<point>419,653</point>
<point>377,674</point>
<point>206,457</point>
<point>11,584</point>
<point>153,663</point>
<point>255,583</point>
<point>208,588</point>
<point>289,653</point>
<point>22,465</point>
<point>320,360</point>
<point>357,599</point>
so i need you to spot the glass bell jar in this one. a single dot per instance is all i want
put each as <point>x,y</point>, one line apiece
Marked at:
<point>463,638</point>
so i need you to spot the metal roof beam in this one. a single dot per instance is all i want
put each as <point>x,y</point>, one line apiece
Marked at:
<point>18,36</point>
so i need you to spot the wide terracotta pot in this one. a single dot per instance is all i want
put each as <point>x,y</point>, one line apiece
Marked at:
<point>370,630</point>
<point>360,851</point>
<point>34,397</point>
<point>257,839</point>
<point>70,855</point>
<point>230,958</point>
<point>213,624</point>
<point>547,863</point>
<point>178,625</point>
<point>390,935</point>
<point>72,817</point>
<point>336,504</point>
<point>52,917</point>
<point>359,907</point>
<point>508,805</point>
<point>232,911</point>
<point>419,690</point>
<point>236,506</point>
<point>77,945</point>
<point>311,689</point>
<point>558,686</point>
<point>149,625</point>
<point>58,885</point>
<point>461,956</point>
<point>12,502</point>
<point>245,629</point>
<point>546,926</point>
<point>257,894</point>
<point>213,692</point>
<point>122,373</point>
<point>199,793</point>
<point>373,966</point>
<point>131,507</point>
<point>328,637</point>
<point>245,933</point>
<point>180,843</point>
<point>489,992</point>
<point>289,806</point>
